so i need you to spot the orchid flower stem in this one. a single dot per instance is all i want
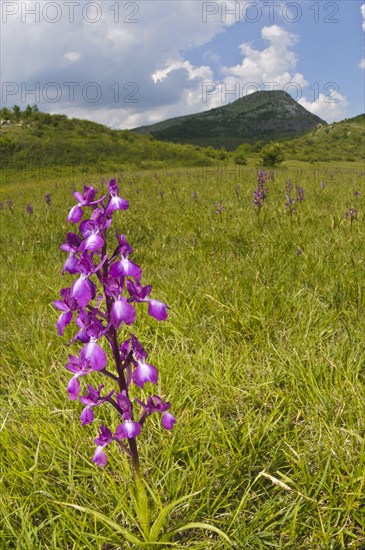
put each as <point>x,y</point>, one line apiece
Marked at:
<point>110,375</point>
<point>125,449</point>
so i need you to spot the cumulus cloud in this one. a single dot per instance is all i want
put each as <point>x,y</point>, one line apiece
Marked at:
<point>274,64</point>
<point>362,8</point>
<point>128,60</point>
<point>362,63</point>
<point>330,107</point>
<point>271,68</point>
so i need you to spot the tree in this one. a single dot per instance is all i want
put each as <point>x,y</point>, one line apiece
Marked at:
<point>16,112</point>
<point>28,112</point>
<point>272,155</point>
<point>240,160</point>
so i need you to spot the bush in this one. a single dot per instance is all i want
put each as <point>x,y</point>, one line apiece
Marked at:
<point>272,155</point>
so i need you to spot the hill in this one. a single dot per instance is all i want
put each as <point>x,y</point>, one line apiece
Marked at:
<point>264,115</point>
<point>343,140</point>
<point>31,138</point>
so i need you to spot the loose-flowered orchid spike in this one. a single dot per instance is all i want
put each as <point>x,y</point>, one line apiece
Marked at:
<point>47,199</point>
<point>261,191</point>
<point>101,301</point>
<point>29,209</point>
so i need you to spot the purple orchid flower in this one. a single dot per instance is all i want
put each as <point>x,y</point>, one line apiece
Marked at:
<point>125,267</point>
<point>92,357</point>
<point>128,430</point>
<point>68,305</point>
<point>139,293</point>
<point>90,326</point>
<point>92,399</point>
<point>105,437</point>
<point>87,199</point>
<point>155,404</point>
<point>92,240</point>
<point>122,312</point>
<point>71,246</point>
<point>116,202</point>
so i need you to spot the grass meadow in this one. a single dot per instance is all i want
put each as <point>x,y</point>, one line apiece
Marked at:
<point>262,358</point>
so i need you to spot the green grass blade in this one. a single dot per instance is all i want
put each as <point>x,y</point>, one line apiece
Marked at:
<point>104,519</point>
<point>198,525</point>
<point>159,521</point>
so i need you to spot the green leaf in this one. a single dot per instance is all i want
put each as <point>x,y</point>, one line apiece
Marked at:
<point>159,521</point>
<point>197,525</point>
<point>104,519</point>
<point>142,508</point>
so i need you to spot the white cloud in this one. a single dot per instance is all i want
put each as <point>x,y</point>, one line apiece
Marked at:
<point>362,8</point>
<point>362,63</point>
<point>115,54</point>
<point>273,64</point>
<point>331,108</point>
<point>72,57</point>
<point>202,72</point>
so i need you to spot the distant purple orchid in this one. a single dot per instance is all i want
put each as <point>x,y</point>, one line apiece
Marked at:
<point>352,214</point>
<point>101,301</point>
<point>29,209</point>
<point>290,200</point>
<point>219,208</point>
<point>261,190</point>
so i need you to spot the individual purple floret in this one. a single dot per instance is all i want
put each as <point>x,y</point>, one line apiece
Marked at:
<point>105,437</point>
<point>91,400</point>
<point>87,199</point>
<point>102,300</point>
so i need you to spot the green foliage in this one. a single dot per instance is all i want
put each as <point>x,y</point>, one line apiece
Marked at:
<point>34,138</point>
<point>240,160</point>
<point>272,155</point>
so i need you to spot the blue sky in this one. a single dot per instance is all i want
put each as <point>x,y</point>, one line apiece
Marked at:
<point>129,63</point>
